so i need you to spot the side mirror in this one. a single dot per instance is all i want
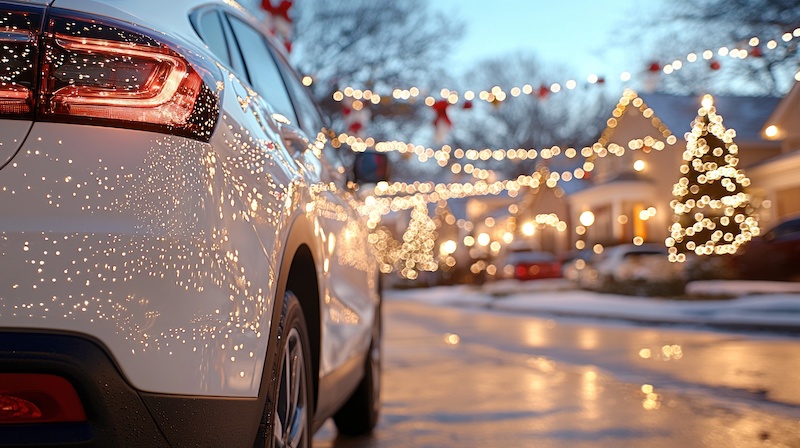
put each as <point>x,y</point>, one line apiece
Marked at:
<point>371,167</point>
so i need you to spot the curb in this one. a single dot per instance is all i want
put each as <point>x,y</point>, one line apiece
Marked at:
<point>777,328</point>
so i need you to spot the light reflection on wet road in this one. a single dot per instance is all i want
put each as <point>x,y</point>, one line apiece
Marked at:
<point>473,378</point>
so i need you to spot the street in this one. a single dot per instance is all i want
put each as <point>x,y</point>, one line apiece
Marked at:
<point>472,377</point>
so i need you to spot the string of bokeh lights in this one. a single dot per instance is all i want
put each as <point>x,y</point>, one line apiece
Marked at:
<point>753,48</point>
<point>413,254</point>
<point>410,255</point>
<point>443,156</point>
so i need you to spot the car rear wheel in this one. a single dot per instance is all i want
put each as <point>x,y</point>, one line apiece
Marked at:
<point>360,414</point>
<point>291,410</point>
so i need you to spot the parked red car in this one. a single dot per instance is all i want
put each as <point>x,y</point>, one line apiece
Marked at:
<point>532,265</point>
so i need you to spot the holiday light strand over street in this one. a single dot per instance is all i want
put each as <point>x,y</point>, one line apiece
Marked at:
<point>754,47</point>
<point>445,154</point>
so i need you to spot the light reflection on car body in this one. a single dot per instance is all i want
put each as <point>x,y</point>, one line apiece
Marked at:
<point>172,252</point>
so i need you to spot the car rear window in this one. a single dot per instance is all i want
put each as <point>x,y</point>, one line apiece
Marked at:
<point>531,257</point>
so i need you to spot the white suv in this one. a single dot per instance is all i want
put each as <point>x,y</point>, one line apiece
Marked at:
<point>181,262</point>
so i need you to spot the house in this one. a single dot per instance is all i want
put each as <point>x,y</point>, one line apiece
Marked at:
<point>776,180</point>
<point>638,157</point>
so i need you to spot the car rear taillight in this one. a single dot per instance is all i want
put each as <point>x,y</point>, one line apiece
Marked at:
<point>105,72</point>
<point>68,67</point>
<point>19,30</point>
<point>38,398</point>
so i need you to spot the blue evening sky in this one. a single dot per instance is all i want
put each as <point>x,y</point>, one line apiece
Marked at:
<point>576,33</point>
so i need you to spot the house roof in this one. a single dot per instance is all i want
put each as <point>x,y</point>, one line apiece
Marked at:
<point>781,114</point>
<point>633,102</point>
<point>745,114</point>
<point>630,176</point>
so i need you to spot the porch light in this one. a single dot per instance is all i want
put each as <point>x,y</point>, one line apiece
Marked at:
<point>586,218</point>
<point>771,131</point>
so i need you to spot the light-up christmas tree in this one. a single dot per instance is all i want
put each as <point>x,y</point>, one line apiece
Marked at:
<point>712,211</point>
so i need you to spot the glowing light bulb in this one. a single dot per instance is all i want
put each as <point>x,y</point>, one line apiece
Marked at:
<point>586,218</point>
<point>707,101</point>
<point>771,131</point>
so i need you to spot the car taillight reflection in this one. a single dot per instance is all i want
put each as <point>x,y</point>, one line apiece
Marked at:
<point>532,271</point>
<point>102,72</point>
<point>19,28</point>
<point>15,100</point>
<point>119,80</point>
<point>38,398</point>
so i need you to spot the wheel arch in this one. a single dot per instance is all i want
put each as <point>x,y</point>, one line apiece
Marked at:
<point>298,273</point>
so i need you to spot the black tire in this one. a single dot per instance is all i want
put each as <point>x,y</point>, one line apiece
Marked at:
<point>360,413</point>
<point>292,405</point>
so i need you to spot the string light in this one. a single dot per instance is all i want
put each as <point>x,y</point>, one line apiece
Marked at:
<point>446,155</point>
<point>497,94</point>
<point>415,253</point>
<point>397,196</point>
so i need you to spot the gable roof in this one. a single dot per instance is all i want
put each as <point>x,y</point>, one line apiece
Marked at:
<point>745,114</point>
<point>632,103</point>
<point>673,114</point>
<point>785,112</point>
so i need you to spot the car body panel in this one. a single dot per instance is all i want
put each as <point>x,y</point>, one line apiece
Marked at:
<point>532,265</point>
<point>528,264</point>
<point>168,250</point>
<point>629,262</point>
<point>171,14</point>
<point>12,134</point>
<point>141,247</point>
<point>773,255</point>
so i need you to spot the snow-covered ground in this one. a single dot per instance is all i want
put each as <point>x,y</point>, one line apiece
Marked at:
<point>772,306</point>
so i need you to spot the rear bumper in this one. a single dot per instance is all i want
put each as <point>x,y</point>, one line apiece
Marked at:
<point>118,415</point>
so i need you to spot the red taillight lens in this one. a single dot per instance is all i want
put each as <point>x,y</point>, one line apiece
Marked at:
<point>15,99</point>
<point>38,398</point>
<point>106,73</point>
<point>105,79</point>
<point>19,29</point>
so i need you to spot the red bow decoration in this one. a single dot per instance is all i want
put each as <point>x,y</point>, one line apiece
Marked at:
<point>543,91</point>
<point>440,107</point>
<point>281,10</point>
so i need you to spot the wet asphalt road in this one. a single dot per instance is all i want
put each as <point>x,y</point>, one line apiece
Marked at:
<point>475,378</point>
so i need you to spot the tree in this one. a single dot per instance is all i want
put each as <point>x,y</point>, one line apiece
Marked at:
<point>712,24</point>
<point>378,45</point>
<point>712,211</point>
<point>373,44</point>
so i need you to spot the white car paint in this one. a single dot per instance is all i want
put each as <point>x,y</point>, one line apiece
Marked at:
<point>166,250</point>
